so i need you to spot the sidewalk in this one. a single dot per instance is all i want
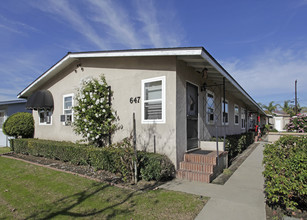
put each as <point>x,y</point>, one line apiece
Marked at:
<point>241,197</point>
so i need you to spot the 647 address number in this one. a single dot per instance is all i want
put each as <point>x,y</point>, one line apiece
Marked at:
<point>135,99</point>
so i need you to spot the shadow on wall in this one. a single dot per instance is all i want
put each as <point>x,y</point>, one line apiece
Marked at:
<point>151,140</point>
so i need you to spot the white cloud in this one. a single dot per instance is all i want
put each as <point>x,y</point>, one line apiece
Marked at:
<point>110,25</point>
<point>148,15</point>
<point>73,17</point>
<point>10,29</point>
<point>159,24</point>
<point>271,75</point>
<point>115,18</point>
<point>15,26</point>
<point>17,71</point>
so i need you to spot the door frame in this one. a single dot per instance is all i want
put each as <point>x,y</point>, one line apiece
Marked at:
<point>186,119</point>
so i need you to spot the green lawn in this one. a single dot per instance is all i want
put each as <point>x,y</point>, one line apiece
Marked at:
<point>4,150</point>
<point>33,192</point>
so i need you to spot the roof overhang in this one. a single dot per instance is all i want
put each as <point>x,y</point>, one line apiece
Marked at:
<point>13,102</point>
<point>196,57</point>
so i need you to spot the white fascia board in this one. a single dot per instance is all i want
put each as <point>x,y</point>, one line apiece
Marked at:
<point>228,77</point>
<point>170,52</point>
<point>53,70</point>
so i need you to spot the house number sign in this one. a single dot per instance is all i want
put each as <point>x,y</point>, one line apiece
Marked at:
<point>135,99</point>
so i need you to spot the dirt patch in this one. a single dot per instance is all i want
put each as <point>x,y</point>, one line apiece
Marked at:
<point>85,171</point>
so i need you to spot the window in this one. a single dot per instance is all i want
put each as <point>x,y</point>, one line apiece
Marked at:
<point>210,107</point>
<point>225,115</point>
<point>243,118</point>
<point>68,103</point>
<point>236,114</point>
<point>45,117</point>
<point>153,100</point>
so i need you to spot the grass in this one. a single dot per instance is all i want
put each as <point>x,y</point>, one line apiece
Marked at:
<point>4,150</point>
<point>32,192</point>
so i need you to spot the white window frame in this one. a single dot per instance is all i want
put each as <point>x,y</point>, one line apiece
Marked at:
<point>39,119</point>
<point>243,124</point>
<point>163,118</point>
<point>207,117</point>
<point>72,105</point>
<point>226,101</point>
<point>238,114</point>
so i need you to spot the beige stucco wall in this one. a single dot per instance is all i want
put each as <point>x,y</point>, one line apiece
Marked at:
<point>124,75</point>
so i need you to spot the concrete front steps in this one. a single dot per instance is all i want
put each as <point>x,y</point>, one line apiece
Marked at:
<point>201,166</point>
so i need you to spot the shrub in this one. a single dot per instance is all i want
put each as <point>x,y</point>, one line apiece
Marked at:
<point>155,166</point>
<point>298,123</point>
<point>117,158</point>
<point>20,124</point>
<point>237,143</point>
<point>285,172</point>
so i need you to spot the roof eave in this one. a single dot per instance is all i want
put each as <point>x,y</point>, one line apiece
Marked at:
<point>70,57</point>
<point>205,55</point>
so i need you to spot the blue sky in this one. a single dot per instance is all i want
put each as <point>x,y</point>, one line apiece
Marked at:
<point>262,44</point>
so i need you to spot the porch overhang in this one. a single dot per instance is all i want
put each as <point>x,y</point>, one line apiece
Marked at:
<point>215,72</point>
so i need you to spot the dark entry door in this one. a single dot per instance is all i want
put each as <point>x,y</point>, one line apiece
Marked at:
<point>192,116</point>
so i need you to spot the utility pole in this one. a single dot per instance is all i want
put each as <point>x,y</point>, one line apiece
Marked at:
<point>295,97</point>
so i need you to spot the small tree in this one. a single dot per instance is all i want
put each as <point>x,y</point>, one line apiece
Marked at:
<point>94,118</point>
<point>20,124</point>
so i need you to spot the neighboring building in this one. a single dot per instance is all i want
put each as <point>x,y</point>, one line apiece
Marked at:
<point>180,93</point>
<point>7,108</point>
<point>280,119</point>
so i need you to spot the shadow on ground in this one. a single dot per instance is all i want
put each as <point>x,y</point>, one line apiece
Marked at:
<point>65,205</point>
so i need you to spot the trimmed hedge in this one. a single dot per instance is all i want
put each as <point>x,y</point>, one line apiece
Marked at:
<point>117,158</point>
<point>20,124</point>
<point>286,172</point>
<point>237,143</point>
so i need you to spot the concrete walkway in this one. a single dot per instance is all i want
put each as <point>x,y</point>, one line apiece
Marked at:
<point>241,197</point>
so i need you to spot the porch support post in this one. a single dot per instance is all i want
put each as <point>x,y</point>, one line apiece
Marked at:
<point>217,141</point>
<point>224,116</point>
<point>110,103</point>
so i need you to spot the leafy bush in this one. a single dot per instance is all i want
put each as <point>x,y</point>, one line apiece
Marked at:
<point>117,158</point>
<point>155,166</point>
<point>298,123</point>
<point>94,118</point>
<point>20,124</point>
<point>285,172</point>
